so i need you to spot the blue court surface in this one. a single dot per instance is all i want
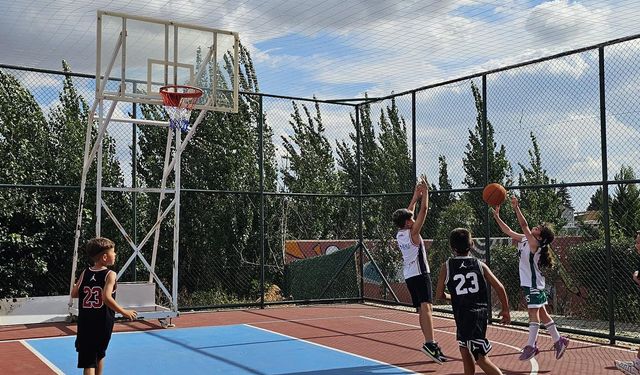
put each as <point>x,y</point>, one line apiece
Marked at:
<point>237,349</point>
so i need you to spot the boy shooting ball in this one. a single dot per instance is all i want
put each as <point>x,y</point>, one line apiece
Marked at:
<point>415,265</point>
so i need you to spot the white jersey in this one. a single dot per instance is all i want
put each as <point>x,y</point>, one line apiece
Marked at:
<point>530,275</point>
<point>414,256</point>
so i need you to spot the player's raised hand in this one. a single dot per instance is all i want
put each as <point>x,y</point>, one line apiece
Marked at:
<point>423,179</point>
<point>514,201</point>
<point>495,210</point>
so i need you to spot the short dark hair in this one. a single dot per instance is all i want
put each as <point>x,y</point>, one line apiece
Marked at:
<point>460,241</point>
<point>96,246</point>
<point>400,217</point>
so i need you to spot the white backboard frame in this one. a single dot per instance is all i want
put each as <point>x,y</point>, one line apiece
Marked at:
<point>150,45</point>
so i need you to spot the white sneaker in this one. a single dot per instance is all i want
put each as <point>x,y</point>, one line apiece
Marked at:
<point>627,367</point>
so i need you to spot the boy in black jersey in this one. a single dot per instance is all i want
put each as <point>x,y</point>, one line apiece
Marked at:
<point>96,293</point>
<point>466,278</point>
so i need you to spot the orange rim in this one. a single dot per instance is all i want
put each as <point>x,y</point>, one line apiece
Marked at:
<point>174,98</point>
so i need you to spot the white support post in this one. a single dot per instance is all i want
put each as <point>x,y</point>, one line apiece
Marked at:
<point>87,160</point>
<point>163,185</point>
<point>176,227</point>
<point>101,117</point>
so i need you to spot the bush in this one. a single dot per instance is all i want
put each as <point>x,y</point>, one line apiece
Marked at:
<point>587,264</point>
<point>504,264</point>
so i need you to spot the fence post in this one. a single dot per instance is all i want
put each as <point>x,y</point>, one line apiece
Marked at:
<point>605,195</point>
<point>360,226</point>
<point>261,173</point>
<point>485,162</point>
<point>413,136</point>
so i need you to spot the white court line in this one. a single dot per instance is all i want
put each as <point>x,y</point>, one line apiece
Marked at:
<point>44,359</point>
<point>334,349</point>
<point>534,363</point>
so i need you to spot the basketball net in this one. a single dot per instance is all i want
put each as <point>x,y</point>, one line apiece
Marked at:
<point>178,102</point>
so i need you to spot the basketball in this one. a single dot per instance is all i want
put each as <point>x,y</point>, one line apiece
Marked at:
<point>494,194</point>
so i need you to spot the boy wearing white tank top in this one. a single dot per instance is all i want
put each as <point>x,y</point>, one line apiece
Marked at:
<point>416,267</point>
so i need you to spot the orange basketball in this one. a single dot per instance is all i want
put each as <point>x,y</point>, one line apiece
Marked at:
<point>494,194</point>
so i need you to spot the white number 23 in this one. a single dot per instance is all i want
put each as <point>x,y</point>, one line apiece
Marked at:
<point>475,287</point>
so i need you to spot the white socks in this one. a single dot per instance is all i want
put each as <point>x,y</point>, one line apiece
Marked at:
<point>533,333</point>
<point>553,330</point>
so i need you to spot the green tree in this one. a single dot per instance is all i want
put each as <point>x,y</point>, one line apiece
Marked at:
<point>595,202</point>
<point>25,150</point>
<point>386,167</point>
<point>37,227</point>
<point>474,165</point>
<point>540,204</point>
<point>439,198</point>
<point>625,203</point>
<point>219,232</point>
<point>310,168</point>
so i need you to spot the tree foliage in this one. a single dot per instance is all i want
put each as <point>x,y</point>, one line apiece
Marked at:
<point>37,225</point>
<point>499,168</point>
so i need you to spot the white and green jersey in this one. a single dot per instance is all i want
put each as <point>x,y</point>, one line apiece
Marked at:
<point>530,275</point>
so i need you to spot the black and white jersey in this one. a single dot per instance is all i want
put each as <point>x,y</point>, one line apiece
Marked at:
<point>95,319</point>
<point>466,283</point>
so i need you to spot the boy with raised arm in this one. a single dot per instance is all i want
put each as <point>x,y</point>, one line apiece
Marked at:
<point>416,267</point>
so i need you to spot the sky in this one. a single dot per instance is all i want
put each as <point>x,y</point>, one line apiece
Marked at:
<point>344,49</point>
<point>335,48</point>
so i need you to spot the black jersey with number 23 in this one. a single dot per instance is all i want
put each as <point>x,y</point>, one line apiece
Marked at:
<point>466,283</point>
<point>95,319</point>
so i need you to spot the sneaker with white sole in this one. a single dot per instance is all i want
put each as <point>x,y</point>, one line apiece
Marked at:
<point>627,367</point>
<point>433,351</point>
<point>528,352</point>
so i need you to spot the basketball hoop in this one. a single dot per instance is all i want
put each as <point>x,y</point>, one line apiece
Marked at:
<point>178,102</point>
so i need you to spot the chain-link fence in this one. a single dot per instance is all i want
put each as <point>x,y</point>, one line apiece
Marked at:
<point>289,180</point>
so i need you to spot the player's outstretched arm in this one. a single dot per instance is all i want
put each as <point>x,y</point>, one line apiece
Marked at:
<point>504,227</point>
<point>414,199</point>
<point>422,214</point>
<point>502,294</point>
<point>533,242</point>
<point>111,302</point>
<point>440,293</point>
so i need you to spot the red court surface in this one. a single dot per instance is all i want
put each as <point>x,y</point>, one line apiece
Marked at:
<point>382,334</point>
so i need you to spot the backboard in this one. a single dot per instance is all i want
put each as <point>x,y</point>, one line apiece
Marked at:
<point>156,53</point>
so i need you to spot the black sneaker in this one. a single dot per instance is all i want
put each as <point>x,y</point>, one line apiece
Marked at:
<point>443,358</point>
<point>432,350</point>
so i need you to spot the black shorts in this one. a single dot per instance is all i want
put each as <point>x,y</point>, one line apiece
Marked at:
<point>90,359</point>
<point>420,289</point>
<point>471,324</point>
<point>477,347</point>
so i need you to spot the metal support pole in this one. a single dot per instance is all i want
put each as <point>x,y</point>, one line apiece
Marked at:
<point>261,172</point>
<point>605,197</point>
<point>360,201</point>
<point>413,137</point>
<point>134,172</point>
<point>485,161</point>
